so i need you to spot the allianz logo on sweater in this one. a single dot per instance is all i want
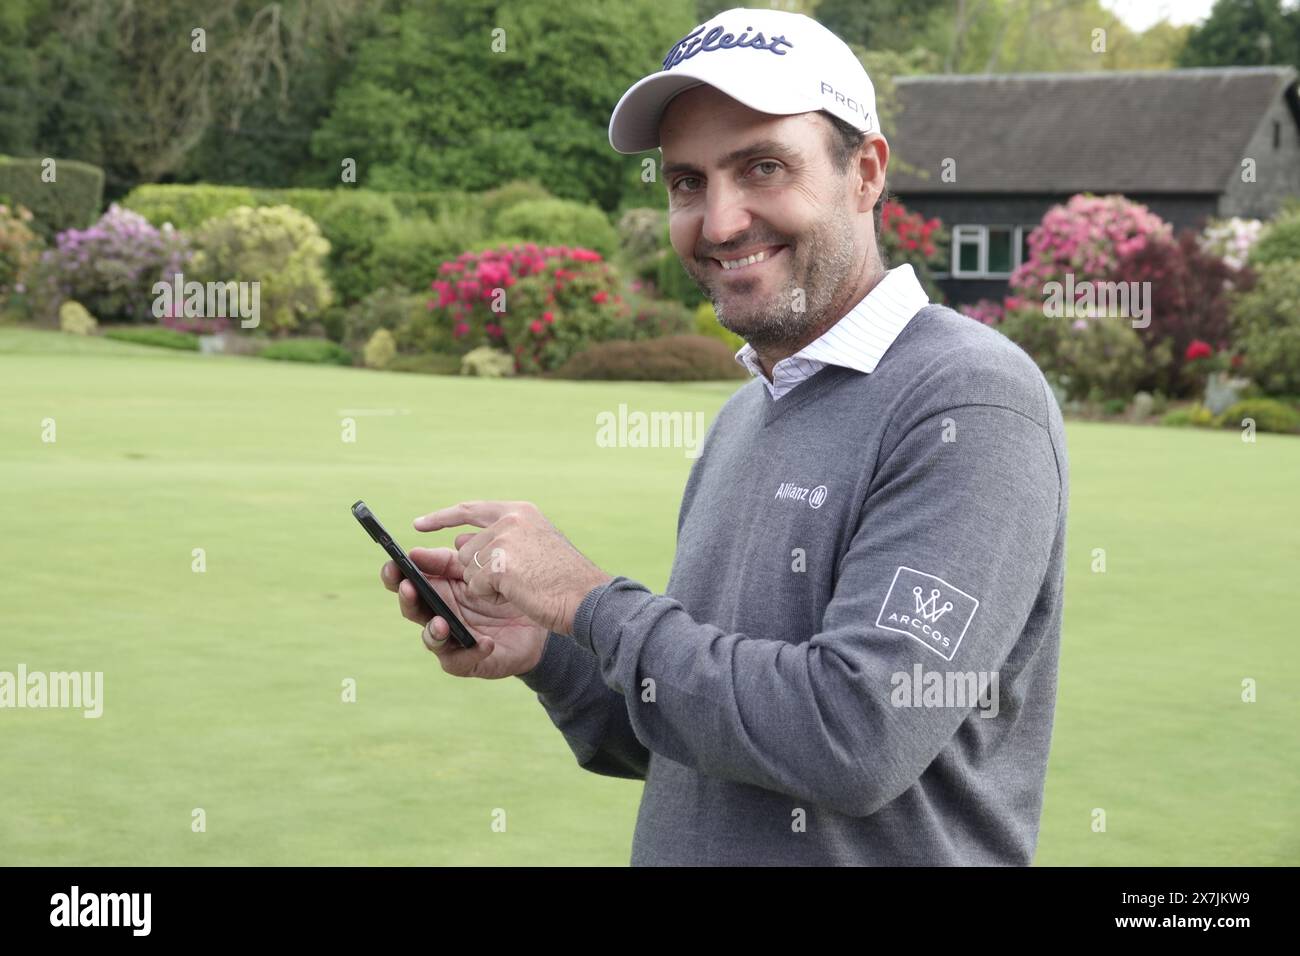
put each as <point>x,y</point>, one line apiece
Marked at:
<point>789,491</point>
<point>928,609</point>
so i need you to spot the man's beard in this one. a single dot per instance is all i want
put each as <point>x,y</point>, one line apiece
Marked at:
<point>821,261</point>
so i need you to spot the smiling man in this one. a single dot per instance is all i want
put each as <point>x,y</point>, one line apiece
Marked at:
<point>872,538</point>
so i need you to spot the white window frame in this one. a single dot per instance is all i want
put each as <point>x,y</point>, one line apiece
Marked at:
<point>981,234</point>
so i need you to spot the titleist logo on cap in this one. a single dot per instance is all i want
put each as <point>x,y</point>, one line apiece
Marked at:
<point>717,39</point>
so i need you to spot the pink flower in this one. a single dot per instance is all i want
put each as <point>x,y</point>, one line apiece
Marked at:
<point>547,317</point>
<point>535,326</point>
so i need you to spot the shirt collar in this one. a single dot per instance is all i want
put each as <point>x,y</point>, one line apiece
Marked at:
<point>860,339</point>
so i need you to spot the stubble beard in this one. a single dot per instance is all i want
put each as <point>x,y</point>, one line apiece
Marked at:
<point>820,262</point>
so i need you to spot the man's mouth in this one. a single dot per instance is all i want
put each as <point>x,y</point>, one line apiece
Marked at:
<point>747,263</point>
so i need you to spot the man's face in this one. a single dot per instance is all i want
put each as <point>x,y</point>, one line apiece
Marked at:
<point>781,198</point>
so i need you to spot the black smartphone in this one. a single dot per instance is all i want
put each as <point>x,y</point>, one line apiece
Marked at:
<point>433,603</point>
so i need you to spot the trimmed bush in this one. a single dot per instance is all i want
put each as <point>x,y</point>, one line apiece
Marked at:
<point>1087,356</point>
<point>386,308</point>
<point>1269,415</point>
<point>1192,415</point>
<point>494,202</point>
<point>675,358</point>
<point>487,362</point>
<point>186,207</point>
<point>307,350</point>
<point>656,318</point>
<point>1267,322</point>
<point>353,222</point>
<point>671,278</point>
<point>1106,357</point>
<point>75,320</point>
<point>158,337</point>
<point>559,222</point>
<point>639,232</point>
<point>277,246</point>
<point>409,254</point>
<point>1280,241</point>
<point>380,350</point>
<point>72,201</point>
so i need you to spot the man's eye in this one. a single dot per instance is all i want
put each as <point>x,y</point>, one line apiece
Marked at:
<point>678,183</point>
<point>769,162</point>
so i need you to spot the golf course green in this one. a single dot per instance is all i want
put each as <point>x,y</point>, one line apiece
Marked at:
<point>224,689</point>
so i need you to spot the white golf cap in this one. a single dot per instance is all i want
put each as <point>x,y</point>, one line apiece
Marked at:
<point>770,60</point>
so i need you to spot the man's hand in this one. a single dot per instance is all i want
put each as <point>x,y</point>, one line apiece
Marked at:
<point>508,642</point>
<point>523,560</point>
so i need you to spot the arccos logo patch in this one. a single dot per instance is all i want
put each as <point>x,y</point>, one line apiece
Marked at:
<point>928,609</point>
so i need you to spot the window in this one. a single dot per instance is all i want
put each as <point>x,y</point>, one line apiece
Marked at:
<point>988,252</point>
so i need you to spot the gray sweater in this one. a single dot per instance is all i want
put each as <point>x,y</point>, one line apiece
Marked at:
<point>855,659</point>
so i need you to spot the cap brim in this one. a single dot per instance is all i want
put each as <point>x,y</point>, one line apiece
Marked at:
<point>634,125</point>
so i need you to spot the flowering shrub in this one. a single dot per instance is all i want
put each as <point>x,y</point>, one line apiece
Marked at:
<point>1231,239</point>
<point>1089,357</point>
<point>905,231</point>
<point>558,312</point>
<point>1111,239</point>
<point>1089,236</point>
<point>1191,298</point>
<point>556,300</point>
<point>908,237</point>
<point>985,311</point>
<point>111,267</point>
<point>278,247</point>
<point>20,248</point>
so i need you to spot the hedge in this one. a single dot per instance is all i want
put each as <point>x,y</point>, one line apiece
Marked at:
<point>185,206</point>
<point>72,201</point>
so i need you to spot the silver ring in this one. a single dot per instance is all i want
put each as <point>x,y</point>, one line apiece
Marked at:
<point>476,560</point>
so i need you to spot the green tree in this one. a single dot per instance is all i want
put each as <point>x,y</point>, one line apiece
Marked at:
<point>471,94</point>
<point>1245,33</point>
<point>898,25</point>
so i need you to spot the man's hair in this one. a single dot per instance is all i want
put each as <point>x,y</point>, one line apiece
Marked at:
<point>845,143</point>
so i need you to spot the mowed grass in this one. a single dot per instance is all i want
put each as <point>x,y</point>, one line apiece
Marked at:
<point>223,689</point>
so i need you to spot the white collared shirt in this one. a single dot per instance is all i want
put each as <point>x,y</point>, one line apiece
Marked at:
<point>856,341</point>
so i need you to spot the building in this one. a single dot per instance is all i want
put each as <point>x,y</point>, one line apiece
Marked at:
<point>992,153</point>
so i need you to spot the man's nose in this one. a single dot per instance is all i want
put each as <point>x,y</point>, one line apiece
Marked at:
<point>725,214</point>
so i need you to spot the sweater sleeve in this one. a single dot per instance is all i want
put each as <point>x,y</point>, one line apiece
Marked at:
<point>592,718</point>
<point>943,569</point>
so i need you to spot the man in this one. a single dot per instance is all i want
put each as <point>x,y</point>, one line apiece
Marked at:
<point>855,660</point>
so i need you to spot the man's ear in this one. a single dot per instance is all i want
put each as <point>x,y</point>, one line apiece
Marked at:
<point>873,161</point>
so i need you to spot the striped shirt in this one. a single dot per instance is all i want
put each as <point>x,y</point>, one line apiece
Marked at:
<point>856,341</point>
